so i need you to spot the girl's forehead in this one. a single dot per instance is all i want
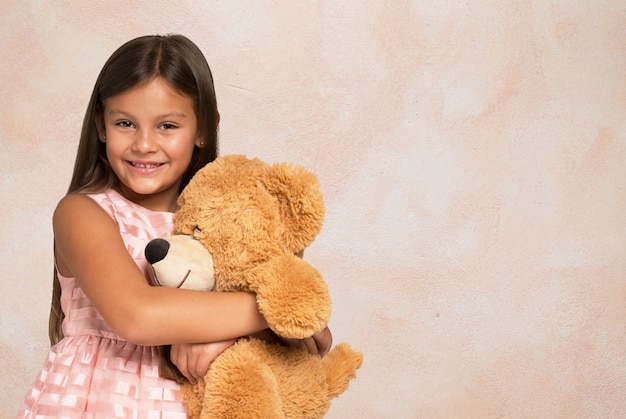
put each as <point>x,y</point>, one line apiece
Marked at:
<point>154,84</point>
<point>154,93</point>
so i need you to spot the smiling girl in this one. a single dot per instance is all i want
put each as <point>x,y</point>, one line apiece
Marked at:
<point>150,125</point>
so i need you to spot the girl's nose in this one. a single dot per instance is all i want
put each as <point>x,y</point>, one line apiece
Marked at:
<point>145,141</point>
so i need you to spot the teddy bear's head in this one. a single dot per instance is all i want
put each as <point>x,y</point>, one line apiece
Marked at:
<point>241,214</point>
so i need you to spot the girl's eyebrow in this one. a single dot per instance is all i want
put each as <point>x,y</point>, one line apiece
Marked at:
<point>164,116</point>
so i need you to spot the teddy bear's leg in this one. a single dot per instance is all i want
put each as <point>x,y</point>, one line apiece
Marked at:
<point>193,396</point>
<point>240,384</point>
<point>341,364</point>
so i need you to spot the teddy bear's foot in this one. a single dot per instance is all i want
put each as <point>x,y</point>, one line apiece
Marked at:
<point>341,364</point>
<point>240,385</point>
<point>193,396</point>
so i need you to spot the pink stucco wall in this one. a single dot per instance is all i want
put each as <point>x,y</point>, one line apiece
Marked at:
<point>473,158</point>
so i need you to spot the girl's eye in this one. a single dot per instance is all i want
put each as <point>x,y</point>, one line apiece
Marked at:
<point>167,126</point>
<point>124,124</point>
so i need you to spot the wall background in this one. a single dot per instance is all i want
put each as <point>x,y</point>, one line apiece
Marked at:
<point>472,154</point>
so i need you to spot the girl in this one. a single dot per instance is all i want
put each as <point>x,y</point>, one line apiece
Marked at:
<point>150,125</point>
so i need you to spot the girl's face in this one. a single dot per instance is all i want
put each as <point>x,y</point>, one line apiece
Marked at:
<point>150,132</point>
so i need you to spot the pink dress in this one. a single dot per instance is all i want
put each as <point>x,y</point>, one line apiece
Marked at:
<point>92,372</point>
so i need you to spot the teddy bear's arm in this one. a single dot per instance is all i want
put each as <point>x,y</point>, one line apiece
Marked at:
<point>292,296</point>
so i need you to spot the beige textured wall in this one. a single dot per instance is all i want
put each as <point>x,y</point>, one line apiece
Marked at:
<point>473,157</point>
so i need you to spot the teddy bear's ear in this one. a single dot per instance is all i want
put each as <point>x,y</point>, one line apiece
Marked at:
<point>301,203</point>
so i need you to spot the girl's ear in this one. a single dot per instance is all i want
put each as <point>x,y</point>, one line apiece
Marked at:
<point>200,139</point>
<point>100,124</point>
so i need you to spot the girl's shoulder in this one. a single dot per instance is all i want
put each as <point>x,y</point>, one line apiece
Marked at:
<point>81,201</point>
<point>94,207</point>
<point>78,218</point>
<point>111,201</point>
<point>77,204</point>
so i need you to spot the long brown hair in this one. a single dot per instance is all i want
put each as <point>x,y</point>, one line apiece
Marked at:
<point>177,60</point>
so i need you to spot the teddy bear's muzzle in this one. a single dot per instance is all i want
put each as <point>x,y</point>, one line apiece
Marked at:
<point>180,261</point>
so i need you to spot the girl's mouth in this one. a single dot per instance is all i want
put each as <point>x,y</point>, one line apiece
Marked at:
<point>145,165</point>
<point>145,168</point>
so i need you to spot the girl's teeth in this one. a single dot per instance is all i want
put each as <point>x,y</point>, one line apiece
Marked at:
<point>145,166</point>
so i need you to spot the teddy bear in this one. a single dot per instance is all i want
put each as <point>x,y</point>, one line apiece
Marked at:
<point>242,225</point>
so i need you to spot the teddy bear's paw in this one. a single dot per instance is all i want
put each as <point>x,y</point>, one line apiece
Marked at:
<point>292,296</point>
<point>341,364</point>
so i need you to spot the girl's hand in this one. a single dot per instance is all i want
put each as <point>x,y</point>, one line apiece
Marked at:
<point>318,344</point>
<point>323,341</point>
<point>193,359</point>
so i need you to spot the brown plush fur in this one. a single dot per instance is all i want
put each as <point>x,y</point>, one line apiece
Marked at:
<point>254,218</point>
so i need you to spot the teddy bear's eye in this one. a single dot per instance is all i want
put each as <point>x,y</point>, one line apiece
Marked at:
<point>196,231</point>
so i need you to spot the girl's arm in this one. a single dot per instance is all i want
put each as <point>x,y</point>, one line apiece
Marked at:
<point>193,359</point>
<point>89,248</point>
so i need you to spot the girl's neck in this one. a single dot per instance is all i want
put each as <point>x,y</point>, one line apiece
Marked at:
<point>159,202</point>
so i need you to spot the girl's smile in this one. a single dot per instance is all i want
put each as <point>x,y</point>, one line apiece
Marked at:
<point>145,168</point>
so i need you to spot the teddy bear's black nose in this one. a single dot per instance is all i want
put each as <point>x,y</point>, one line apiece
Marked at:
<point>156,250</point>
